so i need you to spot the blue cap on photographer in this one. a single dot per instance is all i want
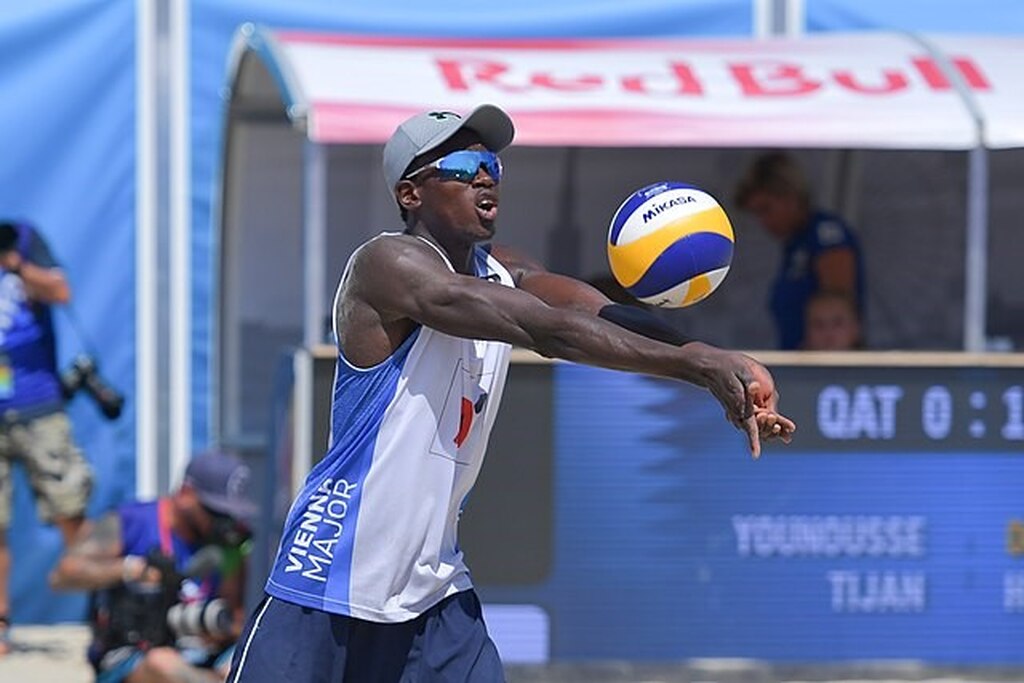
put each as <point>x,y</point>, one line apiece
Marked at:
<point>221,481</point>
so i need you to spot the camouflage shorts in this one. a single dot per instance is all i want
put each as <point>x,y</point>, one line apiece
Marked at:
<point>60,477</point>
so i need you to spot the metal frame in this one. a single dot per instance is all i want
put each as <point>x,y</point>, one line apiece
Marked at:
<point>180,371</point>
<point>146,263</point>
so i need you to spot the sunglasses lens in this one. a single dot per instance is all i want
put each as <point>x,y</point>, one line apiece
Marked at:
<point>464,165</point>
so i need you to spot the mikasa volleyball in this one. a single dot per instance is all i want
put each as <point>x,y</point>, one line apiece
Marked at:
<point>670,244</point>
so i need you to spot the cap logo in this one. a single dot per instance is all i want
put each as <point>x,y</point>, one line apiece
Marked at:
<point>237,482</point>
<point>443,115</point>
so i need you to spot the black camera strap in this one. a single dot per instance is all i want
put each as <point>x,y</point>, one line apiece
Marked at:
<point>88,348</point>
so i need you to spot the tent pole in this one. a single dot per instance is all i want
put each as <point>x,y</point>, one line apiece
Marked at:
<point>976,257</point>
<point>976,240</point>
<point>314,242</point>
<point>180,379</point>
<point>146,263</point>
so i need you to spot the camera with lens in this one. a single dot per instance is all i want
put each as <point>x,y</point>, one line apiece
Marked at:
<point>83,374</point>
<point>152,614</point>
<point>201,618</point>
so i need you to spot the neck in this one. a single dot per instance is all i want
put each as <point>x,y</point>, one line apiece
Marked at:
<point>460,254</point>
<point>179,523</point>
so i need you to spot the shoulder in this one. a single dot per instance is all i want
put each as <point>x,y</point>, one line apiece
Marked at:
<point>389,252</point>
<point>518,263</point>
<point>387,274</point>
<point>135,514</point>
<point>828,231</point>
<point>34,247</point>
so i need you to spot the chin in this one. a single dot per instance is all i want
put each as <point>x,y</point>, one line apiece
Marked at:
<point>484,230</point>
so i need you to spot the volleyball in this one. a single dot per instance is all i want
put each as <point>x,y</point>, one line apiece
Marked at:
<point>670,244</point>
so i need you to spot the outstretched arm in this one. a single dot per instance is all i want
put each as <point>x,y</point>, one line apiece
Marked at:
<point>565,292</point>
<point>403,278</point>
<point>93,560</point>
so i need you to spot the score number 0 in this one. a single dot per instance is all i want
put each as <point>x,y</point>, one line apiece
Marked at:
<point>937,413</point>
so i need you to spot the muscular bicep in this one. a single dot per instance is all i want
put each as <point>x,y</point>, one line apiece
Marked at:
<point>400,279</point>
<point>553,289</point>
<point>561,291</point>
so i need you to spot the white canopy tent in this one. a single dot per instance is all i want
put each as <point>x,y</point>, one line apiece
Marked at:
<point>304,96</point>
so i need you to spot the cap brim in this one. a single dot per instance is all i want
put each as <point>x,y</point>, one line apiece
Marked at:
<point>243,511</point>
<point>492,125</point>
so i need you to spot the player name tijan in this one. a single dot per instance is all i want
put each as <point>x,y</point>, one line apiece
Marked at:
<point>874,591</point>
<point>312,548</point>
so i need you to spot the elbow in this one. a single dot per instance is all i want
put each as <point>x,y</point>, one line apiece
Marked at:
<point>59,576</point>
<point>62,576</point>
<point>61,293</point>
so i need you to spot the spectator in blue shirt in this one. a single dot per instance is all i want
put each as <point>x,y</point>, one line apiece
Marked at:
<point>820,251</point>
<point>33,426</point>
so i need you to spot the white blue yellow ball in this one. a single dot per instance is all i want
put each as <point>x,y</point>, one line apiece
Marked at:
<point>670,244</point>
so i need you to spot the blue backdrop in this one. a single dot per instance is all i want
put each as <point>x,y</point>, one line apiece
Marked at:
<point>944,16</point>
<point>68,165</point>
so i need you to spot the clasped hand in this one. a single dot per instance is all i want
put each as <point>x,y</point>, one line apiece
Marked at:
<point>746,390</point>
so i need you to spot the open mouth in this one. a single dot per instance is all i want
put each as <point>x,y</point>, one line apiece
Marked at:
<point>487,207</point>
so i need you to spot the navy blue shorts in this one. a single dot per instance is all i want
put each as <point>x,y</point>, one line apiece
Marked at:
<point>286,642</point>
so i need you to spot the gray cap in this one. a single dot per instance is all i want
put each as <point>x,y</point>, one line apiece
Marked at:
<point>430,129</point>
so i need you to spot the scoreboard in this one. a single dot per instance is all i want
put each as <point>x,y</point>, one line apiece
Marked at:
<point>628,512</point>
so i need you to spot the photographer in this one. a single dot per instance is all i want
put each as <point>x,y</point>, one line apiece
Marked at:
<point>168,578</point>
<point>33,426</point>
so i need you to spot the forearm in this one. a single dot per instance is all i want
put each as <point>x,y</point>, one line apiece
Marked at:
<point>474,310</point>
<point>46,285</point>
<point>594,340</point>
<point>642,322</point>
<point>564,292</point>
<point>88,573</point>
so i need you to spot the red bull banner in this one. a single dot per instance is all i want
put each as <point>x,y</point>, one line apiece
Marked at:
<point>847,90</point>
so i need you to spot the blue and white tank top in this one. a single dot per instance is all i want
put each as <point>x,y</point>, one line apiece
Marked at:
<point>372,534</point>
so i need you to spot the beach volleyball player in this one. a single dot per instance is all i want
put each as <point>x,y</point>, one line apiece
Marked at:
<point>369,583</point>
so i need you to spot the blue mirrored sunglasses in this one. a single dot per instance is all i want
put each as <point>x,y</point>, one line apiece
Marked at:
<point>464,165</point>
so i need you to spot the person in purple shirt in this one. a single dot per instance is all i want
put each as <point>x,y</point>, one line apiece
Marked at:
<point>34,429</point>
<point>167,577</point>
<point>820,252</point>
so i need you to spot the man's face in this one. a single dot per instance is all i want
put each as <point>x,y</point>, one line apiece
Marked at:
<point>467,210</point>
<point>195,525</point>
<point>207,526</point>
<point>780,214</point>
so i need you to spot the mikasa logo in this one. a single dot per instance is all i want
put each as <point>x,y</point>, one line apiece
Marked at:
<point>654,211</point>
